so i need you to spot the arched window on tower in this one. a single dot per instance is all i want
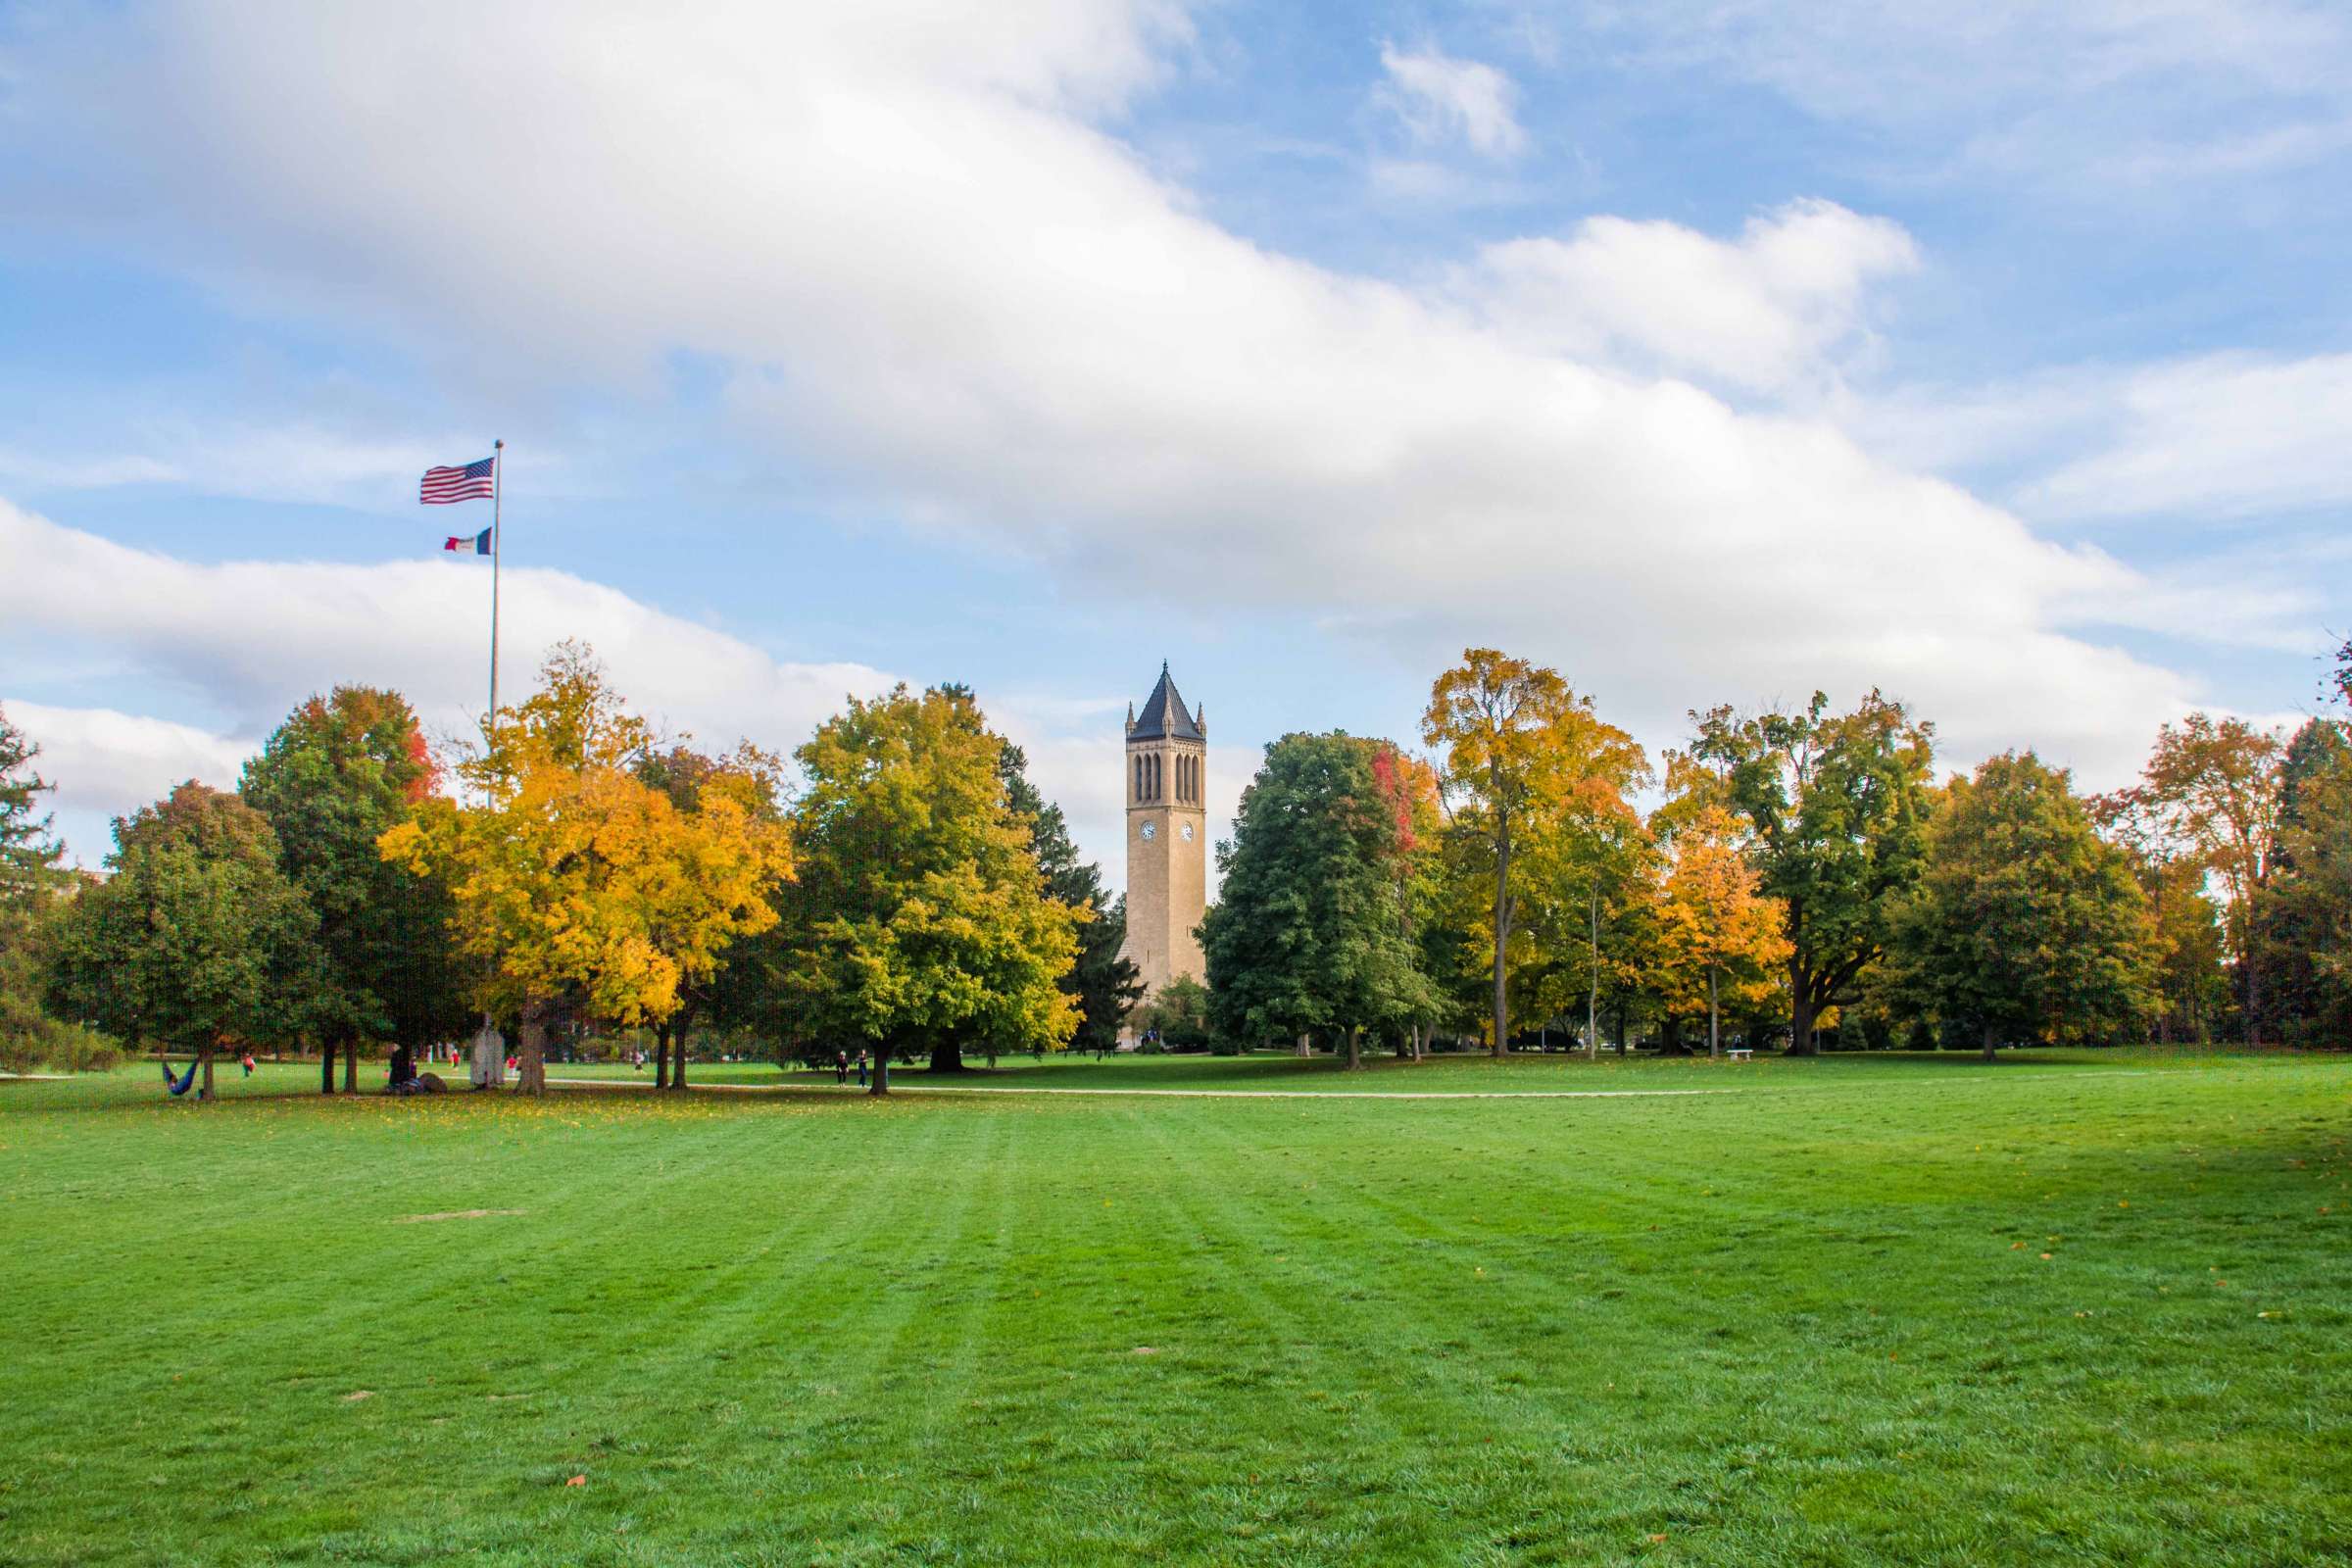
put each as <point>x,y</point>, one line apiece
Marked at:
<point>1139,777</point>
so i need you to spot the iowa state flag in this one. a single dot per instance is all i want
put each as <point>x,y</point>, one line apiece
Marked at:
<point>478,545</point>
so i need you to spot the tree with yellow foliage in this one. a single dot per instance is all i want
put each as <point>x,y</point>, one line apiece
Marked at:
<point>1542,784</point>
<point>578,879</point>
<point>1714,928</point>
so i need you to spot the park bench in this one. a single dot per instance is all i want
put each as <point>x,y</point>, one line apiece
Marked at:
<point>1738,1053</point>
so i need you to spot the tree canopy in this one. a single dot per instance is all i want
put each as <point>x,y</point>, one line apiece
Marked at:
<point>339,773</point>
<point>1837,806</point>
<point>2025,924</point>
<point>576,878</point>
<point>921,919</point>
<point>30,882</point>
<point>1309,932</point>
<point>1716,932</point>
<point>196,939</point>
<point>1539,787</point>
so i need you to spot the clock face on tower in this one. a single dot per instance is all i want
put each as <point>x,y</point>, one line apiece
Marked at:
<point>1150,830</point>
<point>1187,831</point>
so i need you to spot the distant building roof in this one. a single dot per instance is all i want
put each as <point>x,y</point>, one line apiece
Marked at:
<point>1164,713</point>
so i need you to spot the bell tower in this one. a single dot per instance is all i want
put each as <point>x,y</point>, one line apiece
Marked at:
<point>1168,836</point>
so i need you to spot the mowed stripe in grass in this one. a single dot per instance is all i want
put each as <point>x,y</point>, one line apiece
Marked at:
<point>1806,1324</point>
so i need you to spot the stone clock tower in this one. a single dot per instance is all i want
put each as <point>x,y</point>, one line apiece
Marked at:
<point>1168,836</point>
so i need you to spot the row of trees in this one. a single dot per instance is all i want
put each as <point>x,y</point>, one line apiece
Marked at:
<point>906,888</point>
<point>911,893</point>
<point>1801,871</point>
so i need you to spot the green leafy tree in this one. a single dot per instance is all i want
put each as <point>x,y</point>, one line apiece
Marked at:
<point>920,919</point>
<point>2025,924</point>
<point>30,882</point>
<point>1835,809</point>
<point>339,773</point>
<point>197,940</point>
<point>1309,932</point>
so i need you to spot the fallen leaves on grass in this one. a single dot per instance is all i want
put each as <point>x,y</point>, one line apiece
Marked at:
<point>577,1481</point>
<point>358,1394</point>
<point>456,1214</point>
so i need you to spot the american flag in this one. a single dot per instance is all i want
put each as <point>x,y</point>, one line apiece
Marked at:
<point>473,482</point>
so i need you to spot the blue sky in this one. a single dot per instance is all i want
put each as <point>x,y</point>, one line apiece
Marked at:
<point>2000,356</point>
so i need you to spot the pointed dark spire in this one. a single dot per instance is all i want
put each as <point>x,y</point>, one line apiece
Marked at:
<point>1164,713</point>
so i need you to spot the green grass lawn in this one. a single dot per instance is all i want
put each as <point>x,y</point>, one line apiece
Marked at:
<point>2068,1308</point>
<point>1559,1072</point>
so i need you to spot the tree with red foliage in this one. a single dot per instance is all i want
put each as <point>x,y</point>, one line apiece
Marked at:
<point>339,772</point>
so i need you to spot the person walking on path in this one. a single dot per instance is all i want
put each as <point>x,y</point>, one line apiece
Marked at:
<point>246,1062</point>
<point>862,1069</point>
<point>840,1066</point>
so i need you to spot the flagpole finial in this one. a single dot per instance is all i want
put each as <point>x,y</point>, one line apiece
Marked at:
<point>497,446</point>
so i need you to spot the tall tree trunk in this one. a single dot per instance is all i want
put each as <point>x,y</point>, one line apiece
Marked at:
<point>1625,1019</point>
<point>206,1056</point>
<point>530,1076</point>
<point>1592,984</point>
<point>1800,1008</point>
<point>661,1055</point>
<point>1714,1030</point>
<point>1991,1044</point>
<point>1355,1057</point>
<point>326,1067</point>
<point>1670,1036</point>
<point>947,1057</point>
<point>2253,993</point>
<point>351,1067</point>
<point>678,1040</point>
<point>1304,1050</point>
<point>881,1083</point>
<point>1503,929</point>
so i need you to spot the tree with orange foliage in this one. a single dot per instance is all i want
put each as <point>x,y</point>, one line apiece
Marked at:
<point>1714,925</point>
<point>1414,797</point>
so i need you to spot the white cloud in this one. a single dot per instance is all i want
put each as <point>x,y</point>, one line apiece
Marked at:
<point>104,764</point>
<point>247,640</point>
<point>1777,305</point>
<point>1441,99</point>
<point>2225,435</point>
<point>938,280</point>
<point>291,462</point>
<point>244,641</point>
<point>2093,95</point>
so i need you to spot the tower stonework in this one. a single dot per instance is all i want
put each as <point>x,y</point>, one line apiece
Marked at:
<point>1168,836</point>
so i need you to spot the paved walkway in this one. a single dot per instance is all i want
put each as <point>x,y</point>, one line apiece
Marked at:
<point>1173,1094</point>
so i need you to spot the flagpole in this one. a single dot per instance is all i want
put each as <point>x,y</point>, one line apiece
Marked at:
<point>498,476</point>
